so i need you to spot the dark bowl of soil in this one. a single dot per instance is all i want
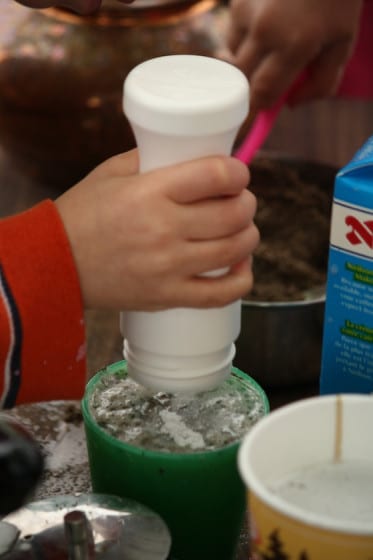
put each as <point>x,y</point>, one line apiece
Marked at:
<point>282,318</point>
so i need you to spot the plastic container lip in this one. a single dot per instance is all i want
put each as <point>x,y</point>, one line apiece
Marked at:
<point>177,375</point>
<point>186,94</point>
<point>182,385</point>
<point>118,366</point>
<point>169,365</point>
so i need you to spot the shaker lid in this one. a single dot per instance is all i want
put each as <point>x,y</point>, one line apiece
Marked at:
<point>186,94</point>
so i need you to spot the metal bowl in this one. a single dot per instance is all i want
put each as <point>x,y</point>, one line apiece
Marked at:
<point>280,341</point>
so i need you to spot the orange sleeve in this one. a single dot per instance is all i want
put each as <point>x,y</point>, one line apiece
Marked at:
<point>42,335</point>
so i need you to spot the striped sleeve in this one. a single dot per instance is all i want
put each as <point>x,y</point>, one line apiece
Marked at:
<point>11,344</point>
<point>42,336</point>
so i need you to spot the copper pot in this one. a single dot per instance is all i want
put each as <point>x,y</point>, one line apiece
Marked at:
<point>61,76</point>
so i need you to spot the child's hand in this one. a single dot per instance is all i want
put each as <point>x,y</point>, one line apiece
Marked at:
<point>273,41</point>
<point>141,241</point>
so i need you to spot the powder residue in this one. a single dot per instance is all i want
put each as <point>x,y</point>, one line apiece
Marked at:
<point>179,431</point>
<point>175,423</point>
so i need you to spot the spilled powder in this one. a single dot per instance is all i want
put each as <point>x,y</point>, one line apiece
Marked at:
<point>57,426</point>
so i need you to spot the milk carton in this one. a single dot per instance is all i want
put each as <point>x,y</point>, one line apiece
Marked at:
<point>347,356</point>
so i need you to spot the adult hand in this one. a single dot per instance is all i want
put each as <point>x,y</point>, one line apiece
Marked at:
<point>273,41</point>
<point>141,241</point>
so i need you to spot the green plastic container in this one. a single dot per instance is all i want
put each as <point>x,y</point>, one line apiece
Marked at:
<point>199,495</point>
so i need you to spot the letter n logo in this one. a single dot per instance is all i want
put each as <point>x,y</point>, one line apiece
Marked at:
<point>360,232</point>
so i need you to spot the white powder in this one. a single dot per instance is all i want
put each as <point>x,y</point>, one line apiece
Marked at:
<point>69,449</point>
<point>179,431</point>
<point>177,423</point>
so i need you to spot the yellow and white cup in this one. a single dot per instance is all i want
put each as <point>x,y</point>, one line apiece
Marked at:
<point>308,468</point>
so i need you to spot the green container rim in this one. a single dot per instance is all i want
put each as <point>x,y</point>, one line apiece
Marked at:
<point>118,366</point>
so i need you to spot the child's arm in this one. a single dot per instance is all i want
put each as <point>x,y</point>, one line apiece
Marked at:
<point>42,338</point>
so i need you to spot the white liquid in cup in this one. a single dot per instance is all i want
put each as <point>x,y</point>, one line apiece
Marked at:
<point>311,464</point>
<point>342,491</point>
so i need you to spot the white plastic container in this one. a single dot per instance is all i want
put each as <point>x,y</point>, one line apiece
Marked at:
<point>183,107</point>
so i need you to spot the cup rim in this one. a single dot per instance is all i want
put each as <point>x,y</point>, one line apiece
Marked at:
<point>260,490</point>
<point>117,366</point>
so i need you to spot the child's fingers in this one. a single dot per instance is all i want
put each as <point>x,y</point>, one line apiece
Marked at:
<point>204,178</point>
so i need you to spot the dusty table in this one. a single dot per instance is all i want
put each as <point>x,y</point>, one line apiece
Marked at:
<point>58,427</point>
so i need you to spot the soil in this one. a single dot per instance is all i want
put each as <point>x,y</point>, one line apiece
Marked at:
<point>293,218</point>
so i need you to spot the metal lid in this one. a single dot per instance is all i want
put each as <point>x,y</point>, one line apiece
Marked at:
<point>83,527</point>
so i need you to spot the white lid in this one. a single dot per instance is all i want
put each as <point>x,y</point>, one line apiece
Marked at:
<point>186,94</point>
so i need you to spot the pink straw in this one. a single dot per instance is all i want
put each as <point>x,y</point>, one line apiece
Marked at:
<point>262,126</point>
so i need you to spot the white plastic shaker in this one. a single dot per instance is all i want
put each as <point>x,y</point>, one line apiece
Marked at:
<point>183,107</point>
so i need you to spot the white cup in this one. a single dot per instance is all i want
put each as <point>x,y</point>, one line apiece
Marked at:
<point>308,468</point>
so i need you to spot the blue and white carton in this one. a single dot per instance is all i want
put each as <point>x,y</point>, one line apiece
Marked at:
<point>347,354</point>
